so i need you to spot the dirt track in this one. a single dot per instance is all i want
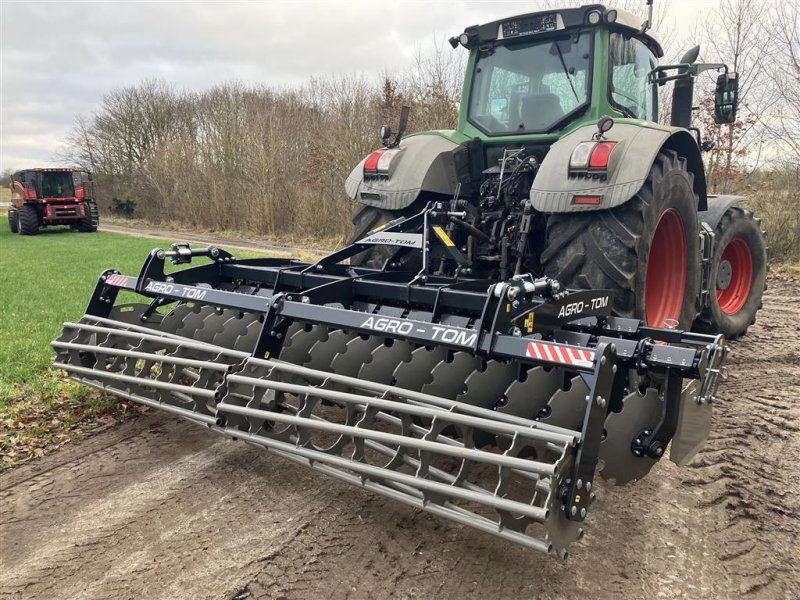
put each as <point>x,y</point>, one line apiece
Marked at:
<point>161,509</point>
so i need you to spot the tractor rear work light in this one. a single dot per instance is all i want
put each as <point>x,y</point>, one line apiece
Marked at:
<point>591,156</point>
<point>378,162</point>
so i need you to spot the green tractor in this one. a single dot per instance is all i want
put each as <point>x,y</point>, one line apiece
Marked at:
<point>559,167</point>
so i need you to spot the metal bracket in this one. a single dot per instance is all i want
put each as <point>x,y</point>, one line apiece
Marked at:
<point>707,249</point>
<point>578,496</point>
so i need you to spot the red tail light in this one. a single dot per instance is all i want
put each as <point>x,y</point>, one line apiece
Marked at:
<point>600,154</point>
<point>378,162</point>
<point>371,164</point>
<point>80,193</point>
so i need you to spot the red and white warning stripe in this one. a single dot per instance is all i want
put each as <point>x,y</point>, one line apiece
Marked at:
<point>560,354</point>
<point>117,280</point>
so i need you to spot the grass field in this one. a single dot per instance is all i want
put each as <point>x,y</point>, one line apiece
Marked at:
<point>45,280</point>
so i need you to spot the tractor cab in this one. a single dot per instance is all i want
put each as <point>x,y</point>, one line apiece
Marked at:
<point>538,76</point>
<point>542,73</point>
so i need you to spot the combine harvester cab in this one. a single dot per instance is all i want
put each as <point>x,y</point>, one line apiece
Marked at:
<point>492,404</point>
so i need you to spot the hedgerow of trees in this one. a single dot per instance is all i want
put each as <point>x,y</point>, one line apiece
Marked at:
<point>253,159</point>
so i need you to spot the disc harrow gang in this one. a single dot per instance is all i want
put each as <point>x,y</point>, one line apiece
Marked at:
<point>462,407</point>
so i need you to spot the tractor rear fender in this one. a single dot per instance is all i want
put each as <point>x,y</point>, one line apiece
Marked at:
<point>717,205</point>
<point>423,163</point>
<point>630,162</point>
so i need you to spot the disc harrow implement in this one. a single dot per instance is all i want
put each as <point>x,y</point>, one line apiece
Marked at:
<point>492,404</point>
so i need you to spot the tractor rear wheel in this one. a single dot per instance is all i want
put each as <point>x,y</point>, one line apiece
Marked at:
<point>647,251</point>
<point>90,224</point>
<point>13,221</point>
<point>366,219</point>
<point>738,275</point>
<point>28,220</point>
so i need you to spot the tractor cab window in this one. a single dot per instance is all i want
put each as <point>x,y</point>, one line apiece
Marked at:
<point>530,87</point>
<point>57,184</point>
<point>630,62</point>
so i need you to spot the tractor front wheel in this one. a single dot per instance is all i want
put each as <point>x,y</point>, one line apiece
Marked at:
<point>28,220</point>
<point>647,251</point>
<point>738,275</point>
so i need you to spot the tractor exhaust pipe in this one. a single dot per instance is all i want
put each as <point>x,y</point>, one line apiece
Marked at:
<point>683,93</point>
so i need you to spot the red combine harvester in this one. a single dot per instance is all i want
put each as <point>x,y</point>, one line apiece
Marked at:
<point>52,196</point>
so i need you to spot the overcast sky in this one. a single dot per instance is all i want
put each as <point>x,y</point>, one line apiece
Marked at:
<point>58,58</point>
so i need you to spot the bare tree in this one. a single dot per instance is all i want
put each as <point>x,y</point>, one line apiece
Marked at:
<point>783,121</point>
<point>734,33</point>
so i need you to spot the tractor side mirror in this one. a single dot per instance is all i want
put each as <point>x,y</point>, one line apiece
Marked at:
<point>726,98</point>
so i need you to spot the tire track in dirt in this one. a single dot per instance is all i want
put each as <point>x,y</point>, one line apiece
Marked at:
<point>166,513</point>
<point>749,469</point>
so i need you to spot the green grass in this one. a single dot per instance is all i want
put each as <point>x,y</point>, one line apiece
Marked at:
<point>45,280</point>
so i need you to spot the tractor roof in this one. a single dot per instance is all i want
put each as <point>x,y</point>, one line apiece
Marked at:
<point>52,170</point>
<point>547,21</point>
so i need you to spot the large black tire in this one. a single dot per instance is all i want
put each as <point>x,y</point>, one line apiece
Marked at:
<point>28,220</point>
<point>365,220</point>
<point>738,275</point>
<point>13,221</point>
<point>90,225</point>
<point>618,250</point>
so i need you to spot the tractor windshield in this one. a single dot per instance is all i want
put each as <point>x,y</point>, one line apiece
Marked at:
<point>530,87</point>
<point>57,184</point>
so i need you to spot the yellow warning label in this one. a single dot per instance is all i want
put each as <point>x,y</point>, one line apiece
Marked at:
<point>528,323</point>
<point>443,236</point>
<point>378,228</point>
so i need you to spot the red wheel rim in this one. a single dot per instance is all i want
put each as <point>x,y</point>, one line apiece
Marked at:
<point>737,254</point>
<point>666,272</point>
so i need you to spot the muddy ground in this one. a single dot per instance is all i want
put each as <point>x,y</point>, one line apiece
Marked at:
<point>157,508</point>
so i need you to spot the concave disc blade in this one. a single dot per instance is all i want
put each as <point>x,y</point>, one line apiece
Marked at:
<point>296,348</point>
<point>485,389</point>
<point>567,408</point>
<point>449,377</point>
<point>193,321</point>
<point>174,319</point>
<point>247,342</point>
<point>384,361</point>
<point>526,398</point>
<point>324,351</point>
<point>233,327</point>
<point>357,352</point>
<point>639,412</point>
<point>417,372</point>
<point>213,322</point>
